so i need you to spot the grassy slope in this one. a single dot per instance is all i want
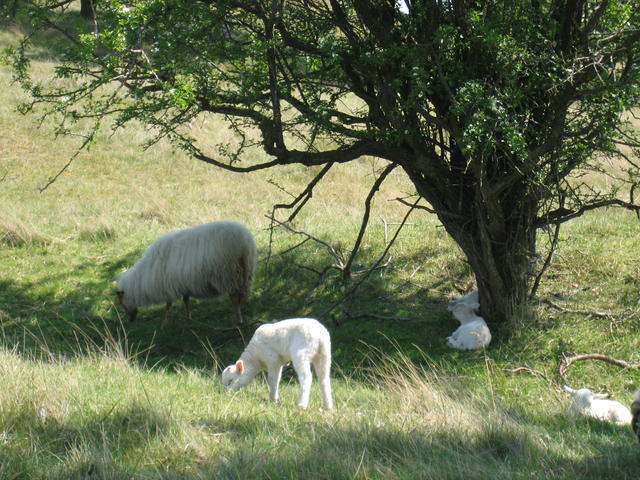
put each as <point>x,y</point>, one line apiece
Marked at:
<point>79,388</point>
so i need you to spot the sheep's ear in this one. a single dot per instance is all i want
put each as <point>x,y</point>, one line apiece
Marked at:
<point>240,367</point>
<point>120,294</point>
<point>568,389</point>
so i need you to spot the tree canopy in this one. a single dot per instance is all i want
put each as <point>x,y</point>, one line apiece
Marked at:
<point>494,109</point>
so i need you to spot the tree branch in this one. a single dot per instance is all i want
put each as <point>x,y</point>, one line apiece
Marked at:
<point>346,273</point>
<point>562,215</point>
<point>547,262</point>
<point>568,361</point>
<point>374,266</point>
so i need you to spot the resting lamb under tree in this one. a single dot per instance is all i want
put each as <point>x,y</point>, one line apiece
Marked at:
<point>595,405</point>
<point>206,261</point>
<point>303,341</point>
<point>473,332</point>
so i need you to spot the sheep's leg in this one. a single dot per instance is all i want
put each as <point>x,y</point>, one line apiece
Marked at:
<point>187,305</point>
<point>322,366</point>
<point>273,377</point>
<point>167,318</point>
<point>235,304</point>
<point>303,369</point>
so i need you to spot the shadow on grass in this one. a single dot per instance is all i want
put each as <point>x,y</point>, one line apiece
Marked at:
<point>44,42</point>
<point>351,450</point>
<point>75,309</point>
<point>348,449</point>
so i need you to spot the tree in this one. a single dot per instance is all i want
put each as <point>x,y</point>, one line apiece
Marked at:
<point>494,109</point>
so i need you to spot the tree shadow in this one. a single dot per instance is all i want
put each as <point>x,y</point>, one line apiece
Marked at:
<point>44,42</point>
<point>351,449</point>
<point>39,319</point>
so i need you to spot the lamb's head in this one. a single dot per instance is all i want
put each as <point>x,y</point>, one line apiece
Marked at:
<point>583,397</point>
<point>465,312</point>
<point>131,311</point>
<point>471,297</point>
<point>234,377</point>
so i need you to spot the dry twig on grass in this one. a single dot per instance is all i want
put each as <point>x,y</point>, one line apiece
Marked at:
<point>535,373</point>
<point>372,316</point>
<point>588,313</point>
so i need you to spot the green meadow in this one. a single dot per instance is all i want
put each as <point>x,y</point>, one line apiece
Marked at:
<point>85,394</point>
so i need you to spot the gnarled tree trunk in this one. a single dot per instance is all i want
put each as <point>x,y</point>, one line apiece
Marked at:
<point>496,232</point>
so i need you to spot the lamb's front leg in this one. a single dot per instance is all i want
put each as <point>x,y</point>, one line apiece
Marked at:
<point>274,372</point>
<point>303,369</point>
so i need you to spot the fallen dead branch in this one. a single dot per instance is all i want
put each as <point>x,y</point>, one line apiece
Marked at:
<point>367,316</point>
<point>569,360</point>
<point>588,313</point>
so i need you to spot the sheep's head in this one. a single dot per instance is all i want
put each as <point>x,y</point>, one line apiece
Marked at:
<point>132,312</point>
<point>234,377</point>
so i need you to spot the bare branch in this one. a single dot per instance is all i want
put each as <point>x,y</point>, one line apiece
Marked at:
<point>535,373</point>
<point>374,266</point>
<point>304,196</point>
<point>372,316</point>
<point>417,207</point>
<point>588,313</point>
<point>568,361</point>
<point>334,253</point>
<point>346,273</point>
<point>562,215</point>
<point>547,262</point>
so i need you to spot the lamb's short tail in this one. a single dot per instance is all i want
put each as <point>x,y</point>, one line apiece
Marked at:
<point>635,412</point>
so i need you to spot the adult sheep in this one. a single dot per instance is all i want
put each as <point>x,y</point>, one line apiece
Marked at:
<point>206,261</point>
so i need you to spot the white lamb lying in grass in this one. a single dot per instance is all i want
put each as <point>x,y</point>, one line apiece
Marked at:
<point>473,332</point>
<point>303,341</point>
<point>590,404</point>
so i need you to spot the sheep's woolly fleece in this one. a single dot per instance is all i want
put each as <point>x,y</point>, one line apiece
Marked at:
<point>303,341</point>
<point>208,260</point>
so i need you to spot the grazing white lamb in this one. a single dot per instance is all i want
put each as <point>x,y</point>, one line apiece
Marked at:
<point>590,404</point>
<point>206,261</point>
<point>473,332</point>
<point>635,415</point>
<point>303,341</point>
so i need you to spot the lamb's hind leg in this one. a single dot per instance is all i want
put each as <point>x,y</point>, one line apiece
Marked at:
<point>322,366</point>
<point>303,369</point>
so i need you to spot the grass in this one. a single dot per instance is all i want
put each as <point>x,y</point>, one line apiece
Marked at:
<point>81,388</point>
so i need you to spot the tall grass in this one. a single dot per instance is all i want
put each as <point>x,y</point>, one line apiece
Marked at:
<point>103,411</point>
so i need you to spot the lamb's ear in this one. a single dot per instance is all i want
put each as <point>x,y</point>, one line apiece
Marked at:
<point>569,389</point>
<point>239,367</point>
